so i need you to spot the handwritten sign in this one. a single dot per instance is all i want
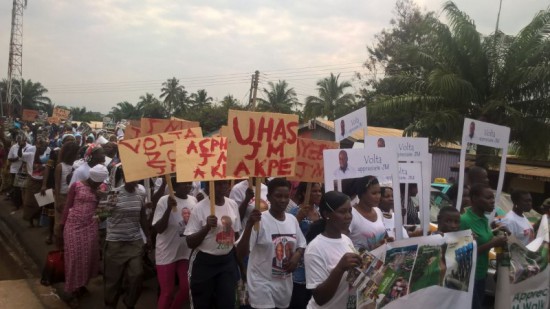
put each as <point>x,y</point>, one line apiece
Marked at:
<point>62,114</point>
<point>261,144</point>
<point>55,120</point>
<point>132,132</point>
<point>309,161</point>
<point>200,159</point>
<point>152,155</point>
<point>151,126</point>
<point>29,115</point>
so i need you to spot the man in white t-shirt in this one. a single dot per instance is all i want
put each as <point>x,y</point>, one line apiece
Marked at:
<point>15,156</point>
<point>275,250</point>
<point>244,197</point>
<point>171,252</point>
<point>515,221</point>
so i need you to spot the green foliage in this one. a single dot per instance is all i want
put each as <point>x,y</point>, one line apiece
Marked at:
<point>437,74</point>
<point>333,100</point>
<point>279,98</point>
<point>175,96</point>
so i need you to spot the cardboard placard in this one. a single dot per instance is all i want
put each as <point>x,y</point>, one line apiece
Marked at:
<point>309,161</point>
<point>486,134</point>
<point>224,131</point>
<point>151,126</point>
<point>346,125</point>
<point>62,114</point>
<point>261,144</point>
<point>29,115</point>
<point>55,120</point>
<point>153,155</point>
<point>132,132</point>
<point>201,159</point>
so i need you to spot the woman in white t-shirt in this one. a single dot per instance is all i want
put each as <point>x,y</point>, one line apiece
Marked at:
<point>275,250</point>
<point>330,254</point>
<point>213,266</point>
<point>515,221</point>
<point>367,229</point>
<point>171,251</point>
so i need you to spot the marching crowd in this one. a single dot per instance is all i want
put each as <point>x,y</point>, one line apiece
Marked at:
<point>294,252</point>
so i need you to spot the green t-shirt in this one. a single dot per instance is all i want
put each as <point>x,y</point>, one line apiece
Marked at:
<point>480,227</point>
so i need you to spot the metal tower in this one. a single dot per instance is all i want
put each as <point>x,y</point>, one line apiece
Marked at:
<point>15,64</point>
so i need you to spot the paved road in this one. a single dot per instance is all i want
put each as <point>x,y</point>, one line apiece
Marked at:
<point>21,281</point>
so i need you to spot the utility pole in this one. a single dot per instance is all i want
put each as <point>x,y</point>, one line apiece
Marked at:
<point>255,89</point>
<point>15,63</point>
<point>251,90</point>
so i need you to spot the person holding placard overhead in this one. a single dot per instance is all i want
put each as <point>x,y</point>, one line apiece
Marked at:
<point>171,250</point>
<point>275,250</point>
<point>213,265</point>
<point>367,229</point>
<point>330,254</point>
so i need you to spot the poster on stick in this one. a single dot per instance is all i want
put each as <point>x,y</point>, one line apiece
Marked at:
<point>152,155</point>
<point>132,132</point>
<point>29,115</point>
<point>526,282</point>
<point>62,114</point>
<point>348,124</point>
<point>487,134</point>
<point>261,144</point>
<point>309,161</point>
<point>201,159</point>
<point>421,272</point>
<point>340,164</point>
<point>153,126</point>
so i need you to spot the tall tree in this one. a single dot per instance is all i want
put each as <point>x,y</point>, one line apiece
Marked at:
<point>200,99</point>
<point>333,101</point>
<point>175,96</point>
<point>229,102</point>
<point>280,98</point>
<point>125,110</point>
<point>460,73</point>
<point>150,106</point>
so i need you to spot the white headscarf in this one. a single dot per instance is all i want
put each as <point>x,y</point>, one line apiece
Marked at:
<point>99,173</point>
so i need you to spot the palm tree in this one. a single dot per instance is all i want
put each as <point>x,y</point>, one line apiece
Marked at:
<point>332,102</point>
<point>175,96</point>
<point>150,106</point>
<point>280,98</point>
<point>200,99</point>
<point>229,102</point>
<point>125,110</point>
<point>461,73</point>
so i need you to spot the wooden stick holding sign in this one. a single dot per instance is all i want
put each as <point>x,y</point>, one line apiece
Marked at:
<point>168,180</point>
<point>308,193</point>
<point>212,191</point>
<point>257,199</point>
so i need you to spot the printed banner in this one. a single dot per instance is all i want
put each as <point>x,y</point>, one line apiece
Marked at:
<point>261,144</point>
<point>29,115</point>
<point>421,272</point>
<point>62,114</point>
<point>108,123</point>
<point>153,155</point>
<point>346,125</point>
<point>200,159</point>
<point>151,126</point>
<point>526,282</point>
<point>309,162</point>
<point>487,134</point>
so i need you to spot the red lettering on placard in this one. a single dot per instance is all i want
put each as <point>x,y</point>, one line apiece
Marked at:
<point>275,150</point>
<point>199,172</point>
<point>134,149</point>
<point>191,148</point>
<point>241,168</point>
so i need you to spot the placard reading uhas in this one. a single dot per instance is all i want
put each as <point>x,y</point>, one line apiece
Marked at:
<point>261,144</point>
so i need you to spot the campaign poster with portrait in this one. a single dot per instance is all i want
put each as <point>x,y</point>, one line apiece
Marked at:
<point>476,133</point>
<point>422,272</point>
<point>340,164</point>
<point>283,246</point>
<point>525,283</point>
<point>348,124</point>
<point>225,234</point>
<point>411,150</point>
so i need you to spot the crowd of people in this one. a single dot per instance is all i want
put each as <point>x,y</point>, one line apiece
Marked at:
<point>293,252</point>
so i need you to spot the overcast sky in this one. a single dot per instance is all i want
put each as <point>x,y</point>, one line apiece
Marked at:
<point>95,53</point>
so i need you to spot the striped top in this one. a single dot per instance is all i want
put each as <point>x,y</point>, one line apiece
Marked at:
<point>124,222</point>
